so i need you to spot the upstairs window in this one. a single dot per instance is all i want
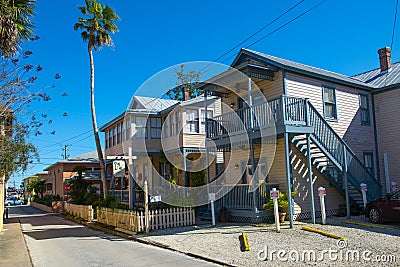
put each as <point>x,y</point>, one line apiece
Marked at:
<point>203,121</point>
<point>364,110</point>
<point>155,128</point>
<point>114,136</point>
<point>141,127</point>
<point>128,128</point>
<point>369,162</point>
<point>106,138</point>
<point>178,122</point>
<point>118,133</point>
<point>110,138</point>
<point>171,124</point>
<point>329,98</point>
<point>192,121</point>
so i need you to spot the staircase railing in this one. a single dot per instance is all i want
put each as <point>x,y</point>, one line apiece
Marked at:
<point>281,110</point>
<point>326,137</point>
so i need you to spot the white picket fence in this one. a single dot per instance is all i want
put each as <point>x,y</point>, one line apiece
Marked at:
<point>83,211</point>
<point>136,221</point>
<point>166,218</point>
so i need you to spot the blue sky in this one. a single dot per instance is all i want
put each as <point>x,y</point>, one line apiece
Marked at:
<point>340,36</point>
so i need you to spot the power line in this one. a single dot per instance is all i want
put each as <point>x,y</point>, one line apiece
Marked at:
<point>287,23</point>
<point>394,24</point>
<point>282,26</point>
<point>59,143</point>
<point>260,30</point>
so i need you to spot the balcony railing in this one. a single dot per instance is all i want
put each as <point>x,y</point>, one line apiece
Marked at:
<point>283,110</point>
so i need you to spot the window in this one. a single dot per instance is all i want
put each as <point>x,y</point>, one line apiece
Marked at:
<point>110,138</point>
<point>155,128</point>
<point>171,124</point>
<point>114,136</point>
<point>369,162</point>
<point>364,110</point>
<point>140,127</point>
<point>106,139</point>
<point>118,133</point>
<point>329,98</point>
<point>123,131</point>
<point>128,128</point>
<point>192,121</point>
<point>203,121</point>
<point>178,122</point>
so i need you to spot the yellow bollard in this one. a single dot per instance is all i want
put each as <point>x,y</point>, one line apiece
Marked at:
<point>244,244</point>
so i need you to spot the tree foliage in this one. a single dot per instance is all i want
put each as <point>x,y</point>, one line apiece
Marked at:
<point>16,24</point>
<point>37,185</point>
<point>18,118</point>
<point>96,25</point>
<point>185,80</point>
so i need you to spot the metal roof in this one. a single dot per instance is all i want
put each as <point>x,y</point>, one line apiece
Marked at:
<point>90,157</point>
<point>153,104</point>
<point>379,79</point>
<point>305,69</point>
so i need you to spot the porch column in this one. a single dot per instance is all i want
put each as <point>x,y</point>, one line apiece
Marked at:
<point>309,157</point>
<point>250,131</point>
<point>288,179</point>
<point>185,176</point>
<point>206,131</point>
<point>346,181</point>
<point>131,182</point>
<point>255,177</point>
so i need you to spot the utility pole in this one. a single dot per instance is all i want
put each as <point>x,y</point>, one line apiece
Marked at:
<point>65,153</point>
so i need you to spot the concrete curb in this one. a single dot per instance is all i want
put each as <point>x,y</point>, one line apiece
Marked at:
<point>306,228</point>
<point>372,225</point>
<point>95,226</point>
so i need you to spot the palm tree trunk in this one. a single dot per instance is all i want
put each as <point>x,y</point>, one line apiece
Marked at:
<point>94,123</point>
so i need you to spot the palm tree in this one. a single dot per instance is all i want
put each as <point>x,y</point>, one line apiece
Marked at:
<point>16,24</point>
<point>95,27</point>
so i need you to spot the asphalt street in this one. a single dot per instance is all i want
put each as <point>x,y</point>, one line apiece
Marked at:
<point>54,241</point>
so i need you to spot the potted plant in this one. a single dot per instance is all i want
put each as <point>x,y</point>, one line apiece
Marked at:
<point>283,205</point>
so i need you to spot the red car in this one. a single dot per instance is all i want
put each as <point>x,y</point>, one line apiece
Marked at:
<point>384,209</point>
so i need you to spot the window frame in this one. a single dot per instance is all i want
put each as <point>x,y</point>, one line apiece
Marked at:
<point>128,128</point>
<point>141,127</point>
<point>368,119</point>
<point>334,104</point>
<point>155,127</point>
<point>202,126</point>
<point>371,155</point>
<point>195,121</point>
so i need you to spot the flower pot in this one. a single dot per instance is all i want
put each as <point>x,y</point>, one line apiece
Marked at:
<point>282,217</point>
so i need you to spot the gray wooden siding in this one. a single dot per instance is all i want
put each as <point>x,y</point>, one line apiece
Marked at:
<point>387,109</point>
<point>359,137</point>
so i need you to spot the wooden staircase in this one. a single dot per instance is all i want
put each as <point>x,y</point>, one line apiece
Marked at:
<point>331,156</point>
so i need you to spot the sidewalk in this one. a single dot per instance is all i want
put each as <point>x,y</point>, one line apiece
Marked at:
<point>13,250</point>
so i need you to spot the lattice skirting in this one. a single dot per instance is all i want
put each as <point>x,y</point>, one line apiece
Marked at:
<point>270,218</point>
<point>307,215</point>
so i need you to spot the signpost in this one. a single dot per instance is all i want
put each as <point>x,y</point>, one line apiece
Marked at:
<point>274,195</point>
<point>364,189</point>
<point>322,194</point>
<point>119,168</point>
<point>211,197</point>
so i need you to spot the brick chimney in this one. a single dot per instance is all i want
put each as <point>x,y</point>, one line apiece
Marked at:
<point>185,94</point>
<point>385,59</point>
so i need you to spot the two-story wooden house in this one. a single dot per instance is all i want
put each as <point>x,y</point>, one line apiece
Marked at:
<point>325,122</point>
<point>166,138</point>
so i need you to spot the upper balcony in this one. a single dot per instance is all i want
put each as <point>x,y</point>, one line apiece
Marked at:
<point>276,116</point>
